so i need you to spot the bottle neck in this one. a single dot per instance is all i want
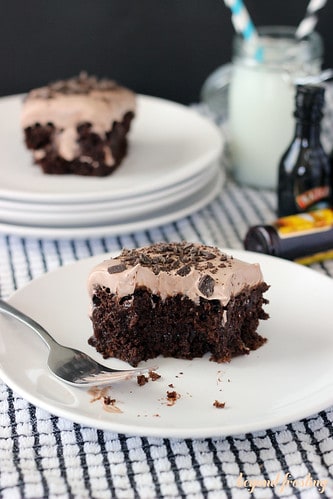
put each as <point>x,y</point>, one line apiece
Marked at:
<point>308,130</point>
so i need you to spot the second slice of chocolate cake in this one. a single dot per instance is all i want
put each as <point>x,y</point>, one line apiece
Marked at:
<point>79,125</point>
<point>178,300</point>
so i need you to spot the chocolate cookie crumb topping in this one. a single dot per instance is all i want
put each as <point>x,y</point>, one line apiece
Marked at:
<point>183,271</point>
<point>116,269</point>
<point>82,84</point>
<point>164,257</point>
<point>206,285</point>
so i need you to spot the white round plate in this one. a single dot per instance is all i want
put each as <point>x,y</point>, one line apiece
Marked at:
<point>168,143</point>
<point>103,213</point>
<point>187,205</point>
<point>287,379</point>
<point>131,203</point>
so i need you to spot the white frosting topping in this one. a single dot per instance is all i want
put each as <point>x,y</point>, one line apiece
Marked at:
<point>168,269</point>
<point>65,110</point>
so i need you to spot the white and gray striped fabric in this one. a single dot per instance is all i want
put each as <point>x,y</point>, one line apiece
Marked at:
<point>44,456</point>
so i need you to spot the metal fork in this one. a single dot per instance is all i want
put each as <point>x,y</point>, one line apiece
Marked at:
<point>70,365</point>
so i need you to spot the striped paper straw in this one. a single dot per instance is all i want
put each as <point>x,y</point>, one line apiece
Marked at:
<point>243,24</point>
<point>310,20</point>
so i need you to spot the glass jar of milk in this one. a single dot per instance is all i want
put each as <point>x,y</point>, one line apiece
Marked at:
<point>261,100</point>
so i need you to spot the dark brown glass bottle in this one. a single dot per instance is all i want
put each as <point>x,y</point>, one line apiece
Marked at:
<point>304,181</point>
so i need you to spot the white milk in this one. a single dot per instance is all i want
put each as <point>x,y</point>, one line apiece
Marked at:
<point>261,124</point>
<point>261,106</point>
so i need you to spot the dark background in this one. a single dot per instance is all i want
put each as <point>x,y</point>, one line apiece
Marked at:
<point>158,47</point>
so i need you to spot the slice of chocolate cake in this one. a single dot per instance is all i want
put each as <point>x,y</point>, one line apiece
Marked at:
<point>177,300</point>
<point>79,125</point>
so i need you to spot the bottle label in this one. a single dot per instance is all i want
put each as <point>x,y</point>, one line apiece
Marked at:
<point>315,258</point>
<point>312,196</point>
<point>305,223</point>
<point>316,224</point>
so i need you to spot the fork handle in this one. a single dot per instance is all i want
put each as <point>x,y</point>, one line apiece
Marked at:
<point>28,321</point>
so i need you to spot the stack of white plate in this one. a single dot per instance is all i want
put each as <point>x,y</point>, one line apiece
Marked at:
<point>172,169</point>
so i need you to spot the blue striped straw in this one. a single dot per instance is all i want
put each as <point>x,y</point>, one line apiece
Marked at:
<point>310,19</point>
<point>243,24</point>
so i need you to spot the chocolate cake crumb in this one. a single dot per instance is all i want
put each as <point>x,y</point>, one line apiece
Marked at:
<point>219,405</point>
<point>108,400</point>
<point>142,379</point>
<point>172,397</point>
<point>154,375</point>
